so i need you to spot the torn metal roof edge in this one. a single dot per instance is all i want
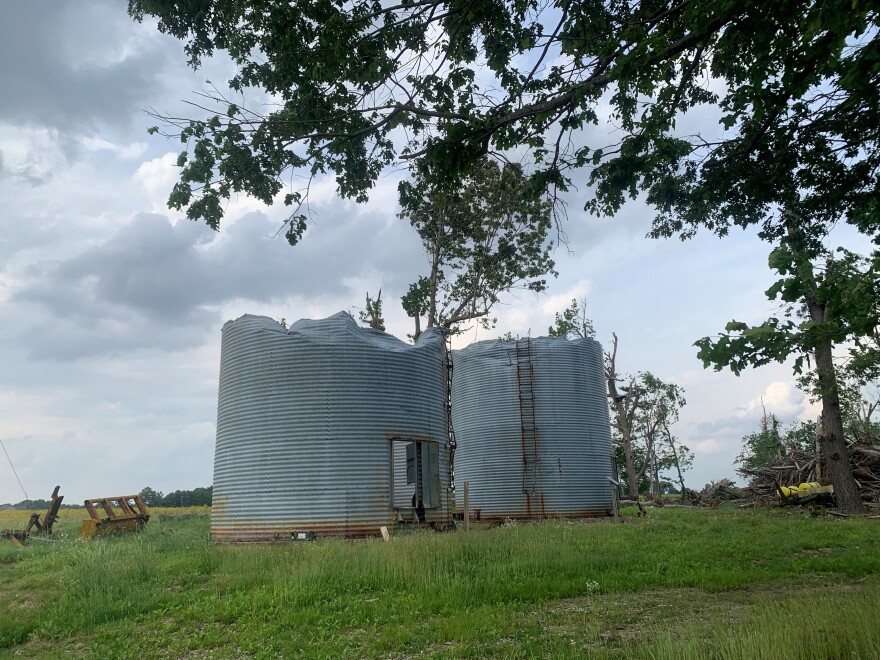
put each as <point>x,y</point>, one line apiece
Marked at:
<point>338,329</point>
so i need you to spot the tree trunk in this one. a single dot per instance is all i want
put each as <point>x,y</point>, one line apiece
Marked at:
<point>834,451</point>
<point>624,422</point>
<point>435,270</point>
<point>632,479</point>
<point>624,425</point>
<point>655,473</point>
<point>649,464</point>
<point>675,456</point>
<point>831,438</point>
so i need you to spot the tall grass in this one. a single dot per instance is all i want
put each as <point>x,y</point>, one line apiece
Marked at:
<point>819,626</point>
<point>491,592</point>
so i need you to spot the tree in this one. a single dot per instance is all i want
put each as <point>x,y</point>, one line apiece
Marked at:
<point>196,497</point>
<point>771,444</point>
<point>642,412</point>
<point>573,321</point>
<point>658,408</point>
<point>483,236</point>
<point>178,498</point>
<point>624,403</point>
<point>826,304</point>
<point>861,423</point>
<point>651,467</point>
<point>679,456</point>
<point>764,446</point>
<point>372,313</point>
<point>151,497</point>
<point>360,85</point>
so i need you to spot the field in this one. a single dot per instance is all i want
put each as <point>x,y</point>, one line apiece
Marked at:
<point>683,583</point>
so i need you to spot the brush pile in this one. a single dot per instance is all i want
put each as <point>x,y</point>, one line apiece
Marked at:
<point>713,494</point>
<point>798,466</point>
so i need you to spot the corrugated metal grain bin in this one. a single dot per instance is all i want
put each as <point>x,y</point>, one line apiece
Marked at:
<point>531,421</point>
<point>316,422</point>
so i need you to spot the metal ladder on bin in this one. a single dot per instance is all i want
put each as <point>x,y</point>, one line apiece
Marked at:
<point>525,378</point>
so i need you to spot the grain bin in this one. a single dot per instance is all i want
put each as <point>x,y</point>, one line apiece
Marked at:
<point>327,428</point>
<point>531,420</point>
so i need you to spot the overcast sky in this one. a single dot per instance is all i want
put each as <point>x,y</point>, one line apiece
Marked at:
<point>111,304</point>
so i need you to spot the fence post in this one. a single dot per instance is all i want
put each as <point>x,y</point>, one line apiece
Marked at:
<point>467,508</point>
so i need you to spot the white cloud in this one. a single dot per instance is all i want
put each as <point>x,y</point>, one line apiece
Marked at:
<point>525,313</point>
<point>710,446</point>
<point>556,302</point>
<point>128,151</point>
<point>32,155</point>
<point>811,410</point>
<point>156,177</point>
<point>781,398</point>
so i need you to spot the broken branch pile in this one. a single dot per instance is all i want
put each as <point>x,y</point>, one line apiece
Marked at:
<point>713,493</point>
<point>798,467</point>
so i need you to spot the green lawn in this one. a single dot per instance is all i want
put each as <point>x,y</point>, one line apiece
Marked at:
<point>724,583</point>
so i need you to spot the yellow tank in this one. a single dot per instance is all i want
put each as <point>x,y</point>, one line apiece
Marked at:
<point>805,492</point>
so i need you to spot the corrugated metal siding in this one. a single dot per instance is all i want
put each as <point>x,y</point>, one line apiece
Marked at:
<point>573,432</point>
<point>304,420</point>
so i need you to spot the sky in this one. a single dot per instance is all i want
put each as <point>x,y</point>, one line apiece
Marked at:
<point>111,304</point>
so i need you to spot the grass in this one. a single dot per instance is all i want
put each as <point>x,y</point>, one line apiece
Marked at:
<point>682,583</point>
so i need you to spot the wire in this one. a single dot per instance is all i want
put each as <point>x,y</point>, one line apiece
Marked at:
<point>13,470</point>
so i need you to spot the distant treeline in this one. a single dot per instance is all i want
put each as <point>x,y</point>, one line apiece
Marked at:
<point>35,505</point>
<point>194,497</point>
<point>177,498</point>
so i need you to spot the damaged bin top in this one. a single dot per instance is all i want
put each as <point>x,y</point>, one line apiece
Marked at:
<point>338,330</point>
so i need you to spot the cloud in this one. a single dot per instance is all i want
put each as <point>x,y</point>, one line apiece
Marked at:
<point>555,303</point>
<point>718,439</point>
<point>781,398</point>
<point>128,151</point>
<point>57,75</point>
<point>158,284</point>
<point>811,410</point>
<point>157,176</point>
<point>710,446</point>
<point>30,155</point>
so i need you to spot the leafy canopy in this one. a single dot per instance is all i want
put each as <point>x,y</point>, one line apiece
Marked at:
<point>847,286</point>
<point>573,321</point>
<point>483,237</point>
<point>766,446</point>
<point>653,406</point>
<point>371,314</point>
<point>355,86</point>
